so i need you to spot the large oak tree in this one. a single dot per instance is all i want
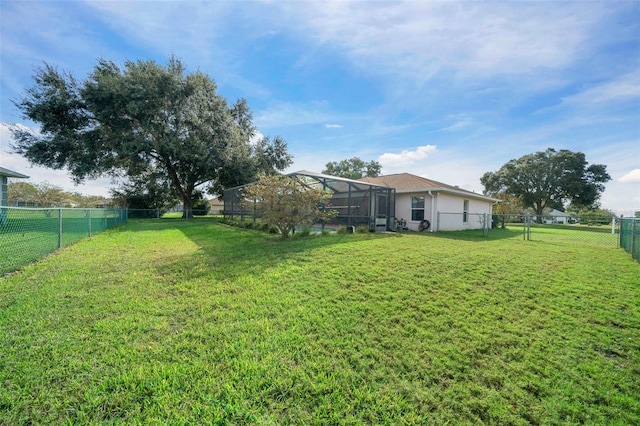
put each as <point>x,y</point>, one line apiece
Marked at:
<point>549,178</point>
<point>127,121</point>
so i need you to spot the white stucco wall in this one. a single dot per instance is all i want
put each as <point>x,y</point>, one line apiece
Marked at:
<point>403,208</point>
<point>451,217</point>
<point>447,211</point>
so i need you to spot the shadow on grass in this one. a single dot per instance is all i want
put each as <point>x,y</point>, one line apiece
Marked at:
<point>227,253</point>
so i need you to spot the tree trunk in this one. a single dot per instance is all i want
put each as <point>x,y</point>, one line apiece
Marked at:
<point>539,207</point>
<point>187,207</point>
<point>285,231</point>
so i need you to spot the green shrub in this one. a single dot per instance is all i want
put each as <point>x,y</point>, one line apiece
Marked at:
<point>362,229</point>
<point>303,232</point>
<point>201,207</point>
<point>341,230</point>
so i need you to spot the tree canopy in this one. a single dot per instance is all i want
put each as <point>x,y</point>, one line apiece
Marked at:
<point>144,193</point>
<point>44,194</point>
<point>549,179</point>
<point>287,202</point>
<point>353,168</point>
<point>144,117</point>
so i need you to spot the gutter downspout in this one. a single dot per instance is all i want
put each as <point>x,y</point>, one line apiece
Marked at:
<point>433,200</point>
<point>495,204</point>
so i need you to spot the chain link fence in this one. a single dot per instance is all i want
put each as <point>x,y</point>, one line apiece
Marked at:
<point>630,236</point>
<point>28,234</point>
<point>164,213</point>
<point>598,231</point>
<point>145,213</point>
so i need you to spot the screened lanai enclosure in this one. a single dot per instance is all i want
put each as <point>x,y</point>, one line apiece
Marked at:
<point>357,203</point>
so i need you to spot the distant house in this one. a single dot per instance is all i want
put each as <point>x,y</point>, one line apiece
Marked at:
<point>217,206</point>
<point>556,216</point>
<point>5,174</point>
<point>424,203</point>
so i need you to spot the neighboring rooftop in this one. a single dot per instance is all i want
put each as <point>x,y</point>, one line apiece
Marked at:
<point>12,174</point>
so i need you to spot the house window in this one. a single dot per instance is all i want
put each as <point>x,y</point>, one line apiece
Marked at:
<point>417,208</point>
<point>465,211</point>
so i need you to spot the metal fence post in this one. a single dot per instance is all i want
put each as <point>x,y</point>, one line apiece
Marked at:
<point>59,228</point>
<point>621,232</point>
<point>633,239</point>
<point>526,230</point>
<point>89,216</point>
<point>485,226</point>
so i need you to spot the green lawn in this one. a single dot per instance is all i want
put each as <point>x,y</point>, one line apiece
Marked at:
<point>192,322</point>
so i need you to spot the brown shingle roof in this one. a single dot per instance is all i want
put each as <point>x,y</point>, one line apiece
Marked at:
<point>408,182</point>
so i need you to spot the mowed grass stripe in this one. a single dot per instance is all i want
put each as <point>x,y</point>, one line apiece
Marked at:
<point>195,322</point>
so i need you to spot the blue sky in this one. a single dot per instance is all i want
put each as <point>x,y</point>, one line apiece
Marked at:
<point>445,90</point>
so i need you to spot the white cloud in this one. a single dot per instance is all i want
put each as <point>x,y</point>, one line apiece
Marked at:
<point>38,174</point>
<point>622,198</point>
<point>406,157</point>
<point>400,40</point>
<point>460,122</point>
<point>333,126</point>
<point>204,35</point>
<point>421,39</point>
<point>626,87</point>
<point>285,114</point>
<point>631,177</point>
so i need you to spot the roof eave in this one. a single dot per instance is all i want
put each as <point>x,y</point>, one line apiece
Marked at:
<point>450,191</point>
<point>12,174</point>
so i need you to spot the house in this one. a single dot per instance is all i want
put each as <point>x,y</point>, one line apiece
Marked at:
<point>556,216</point>
<point>356,203</point>
<point>5,174</point>
<point>217,206</point>
<point>399,201</point>
<point>425,204</point>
